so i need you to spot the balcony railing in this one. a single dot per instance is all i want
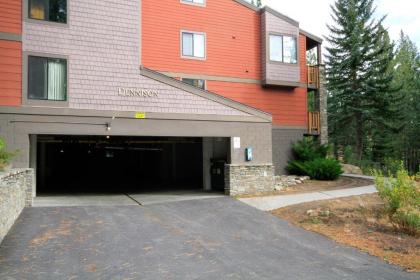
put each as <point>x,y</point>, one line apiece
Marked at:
<point>313,76</point>
<point>314,123</point>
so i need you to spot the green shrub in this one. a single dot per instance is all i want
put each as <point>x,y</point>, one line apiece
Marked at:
<point>307,149</point>
<point>296,167</point>
<point>401,195</point>
<point>5,156</point>
<point>323,169</point>
<point>392,166</point>
<point>408,221</point>
<point>311,160</point>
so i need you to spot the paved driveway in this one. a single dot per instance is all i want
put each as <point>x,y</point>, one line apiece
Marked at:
<point>218,238</point>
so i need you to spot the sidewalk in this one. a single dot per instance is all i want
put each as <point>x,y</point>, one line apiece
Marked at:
<point>269,203</point>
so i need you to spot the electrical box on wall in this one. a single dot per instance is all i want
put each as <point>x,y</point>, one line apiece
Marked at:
<point>248,154</point>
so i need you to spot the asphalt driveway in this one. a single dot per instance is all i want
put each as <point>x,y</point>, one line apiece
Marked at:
<point>217,238</point>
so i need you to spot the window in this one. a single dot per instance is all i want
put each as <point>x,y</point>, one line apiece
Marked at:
<point>194,2</point>
<point>47,78</point>
<point>48,10</point>
<point>195,82</point>
<point>193,45</point>
<point>283,49</point>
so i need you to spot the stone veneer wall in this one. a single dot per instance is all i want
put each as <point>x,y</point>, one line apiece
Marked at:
<point>16,193</point>
<point>245,179</point>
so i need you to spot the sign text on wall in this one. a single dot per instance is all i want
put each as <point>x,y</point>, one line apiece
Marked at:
<point>132,92</point>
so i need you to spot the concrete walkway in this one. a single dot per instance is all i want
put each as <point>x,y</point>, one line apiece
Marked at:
<point>132,199</point>
<point>268,203</point>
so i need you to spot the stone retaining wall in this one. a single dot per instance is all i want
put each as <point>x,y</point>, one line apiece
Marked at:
<point>16,193</point>
<point>245,179</point>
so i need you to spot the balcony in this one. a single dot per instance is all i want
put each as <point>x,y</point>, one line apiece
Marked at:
<point>314,123</point>
<point>313,77</point>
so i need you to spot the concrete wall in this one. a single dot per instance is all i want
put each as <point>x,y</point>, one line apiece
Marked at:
<point>276,71</point>
<point>283,138</point>
<point>102,45</point>
<point>17,128</point>
<point>16,193</point>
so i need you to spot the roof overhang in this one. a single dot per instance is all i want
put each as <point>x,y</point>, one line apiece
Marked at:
<point>311,36</point>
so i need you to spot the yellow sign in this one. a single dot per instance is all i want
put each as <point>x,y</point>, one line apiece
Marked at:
<point>140,115</point>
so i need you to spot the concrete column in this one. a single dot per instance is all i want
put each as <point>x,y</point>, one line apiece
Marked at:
<point>323,106</point>
<point>207,155</point>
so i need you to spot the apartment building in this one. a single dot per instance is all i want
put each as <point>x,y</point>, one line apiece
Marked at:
<point>136,95</point>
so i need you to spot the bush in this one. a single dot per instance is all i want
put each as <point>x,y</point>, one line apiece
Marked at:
<point>318,169</point>
<point>5,156</point>
<point>297,167</point>
<point>311,160</point>
<point>307,149</point>
<point>401,195</point>
<point>408,221</point>
<point>323,169</point>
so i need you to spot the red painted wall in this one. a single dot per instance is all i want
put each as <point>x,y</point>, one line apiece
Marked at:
<point>10,53</point>
<point>11,16</point>
<point>10,73</point>
<point>233,34</point>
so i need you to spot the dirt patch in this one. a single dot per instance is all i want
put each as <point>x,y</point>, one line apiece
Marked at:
<point>91,268</point>
<point>359,222</point>
<point>64,229</point>
<point>315,186</point>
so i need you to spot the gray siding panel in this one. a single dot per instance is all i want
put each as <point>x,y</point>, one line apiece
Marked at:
<point>273,71</point>
<point>282,143</point>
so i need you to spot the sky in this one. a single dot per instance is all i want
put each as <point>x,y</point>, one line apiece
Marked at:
<point>314,15</point>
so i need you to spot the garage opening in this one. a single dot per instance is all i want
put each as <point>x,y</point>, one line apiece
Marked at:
<point>117,164</point>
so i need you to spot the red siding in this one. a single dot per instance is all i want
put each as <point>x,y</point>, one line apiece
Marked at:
<point>233,35</point>
<point>288,107</point>
<point>10,73</point>
<point>11,16</point>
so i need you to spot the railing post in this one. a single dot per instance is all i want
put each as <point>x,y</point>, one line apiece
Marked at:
<point>323,104</point>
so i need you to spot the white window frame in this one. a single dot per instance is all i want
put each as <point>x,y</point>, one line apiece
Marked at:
<point>282,36</point>
<point>191,2</point>
<point>182,46</point>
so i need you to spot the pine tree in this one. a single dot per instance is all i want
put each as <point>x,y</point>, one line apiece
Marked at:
<point>358,79</point>
<point>406,142</point>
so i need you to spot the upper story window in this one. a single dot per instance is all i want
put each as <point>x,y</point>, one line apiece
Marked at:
<point>283,49</point>
<point>194,2</point>
<point>195,82</point>
<point>48,10</point>
<point>193,45</point>
<point>47,78</point>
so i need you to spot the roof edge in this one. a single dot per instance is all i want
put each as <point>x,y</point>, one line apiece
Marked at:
<point>205,94</point>
<point>280,15</point>
<point>311,36</point>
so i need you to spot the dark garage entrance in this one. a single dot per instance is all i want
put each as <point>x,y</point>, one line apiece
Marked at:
<point>101,164</point>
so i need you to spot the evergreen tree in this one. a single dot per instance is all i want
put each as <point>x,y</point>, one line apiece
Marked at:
<point>358,79</point>
<point>406,141</point>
